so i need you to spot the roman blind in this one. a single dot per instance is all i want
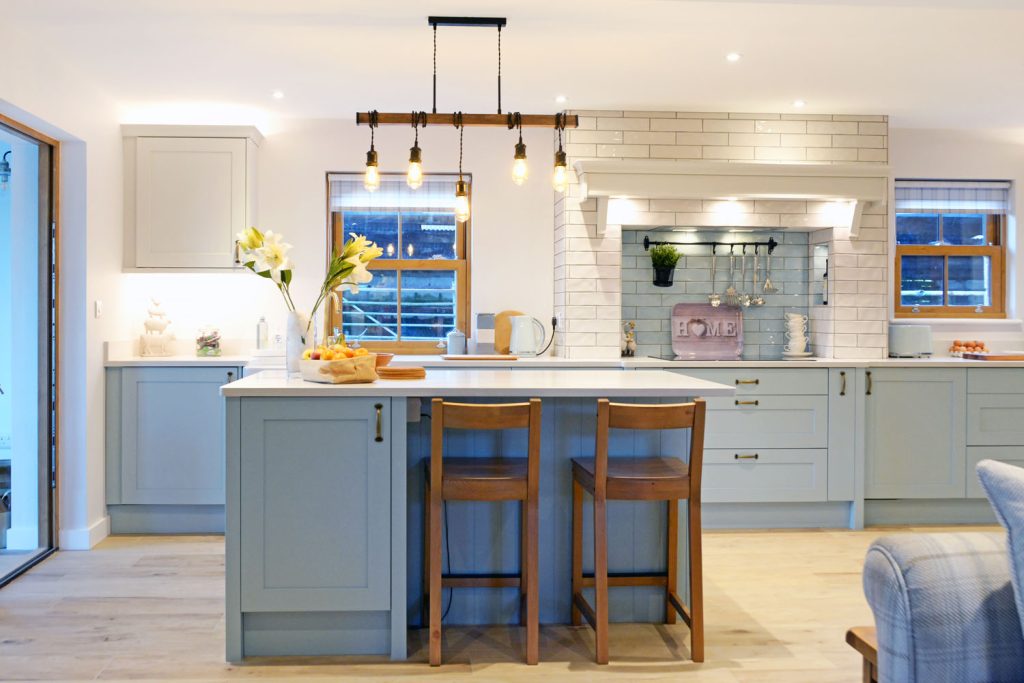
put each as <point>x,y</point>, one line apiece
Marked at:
<point>953,196</point>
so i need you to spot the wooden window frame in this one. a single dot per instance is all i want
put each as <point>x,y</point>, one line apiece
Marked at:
<point>995,229</point>
<point>459,265</point>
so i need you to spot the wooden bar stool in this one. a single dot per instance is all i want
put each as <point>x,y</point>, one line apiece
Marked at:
<point>656,478</point>
<point>483,479</point>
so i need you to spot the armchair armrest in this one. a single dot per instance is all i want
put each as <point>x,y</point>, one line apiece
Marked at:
<point>944,608</point>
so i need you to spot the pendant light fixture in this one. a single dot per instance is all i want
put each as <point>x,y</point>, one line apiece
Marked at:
<point>560,177</point>
<point>414,176</point>
<point>371,179</point>
<point>461,187</point>
<point>520,172</point>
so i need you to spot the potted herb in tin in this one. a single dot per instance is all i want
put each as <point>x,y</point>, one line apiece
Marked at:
<point>664,258</point>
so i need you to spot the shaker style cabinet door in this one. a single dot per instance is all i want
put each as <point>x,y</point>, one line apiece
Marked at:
<point>172,435</point>
<point>315,504</point>
<point>915,433</point>
<point>190,201</point>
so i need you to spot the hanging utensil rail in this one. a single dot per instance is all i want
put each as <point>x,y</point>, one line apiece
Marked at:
<point>771,244</point>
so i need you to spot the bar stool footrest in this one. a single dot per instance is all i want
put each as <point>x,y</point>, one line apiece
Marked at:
<point>627,579</point>
<point>481,581</point>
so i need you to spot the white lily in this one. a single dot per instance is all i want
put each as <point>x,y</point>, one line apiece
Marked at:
<point>272,256</point>
<point>359,275</point>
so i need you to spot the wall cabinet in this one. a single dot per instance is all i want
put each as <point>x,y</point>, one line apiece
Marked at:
<point>188,192</point>
<point>915,433</point>
<point>165,447</point>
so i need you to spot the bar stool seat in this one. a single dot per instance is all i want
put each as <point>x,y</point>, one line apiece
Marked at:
<point>489,479</point>
<point>637,478</point>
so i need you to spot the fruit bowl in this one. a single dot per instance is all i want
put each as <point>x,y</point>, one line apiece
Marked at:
<point>355,370</point>
<point>383,358</point>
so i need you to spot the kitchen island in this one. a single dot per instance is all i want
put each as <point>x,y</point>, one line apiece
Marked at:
<point>324,501</point>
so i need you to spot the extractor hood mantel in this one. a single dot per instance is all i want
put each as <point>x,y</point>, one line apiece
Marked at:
<point>604,179</point>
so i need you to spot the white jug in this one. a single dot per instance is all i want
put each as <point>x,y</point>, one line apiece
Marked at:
<point>528,336</point>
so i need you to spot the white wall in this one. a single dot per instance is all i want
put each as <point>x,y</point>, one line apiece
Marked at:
<point>512,244</point>
<point>967,155</point>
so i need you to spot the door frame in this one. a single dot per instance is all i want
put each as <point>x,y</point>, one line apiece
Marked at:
<point>55,222</point>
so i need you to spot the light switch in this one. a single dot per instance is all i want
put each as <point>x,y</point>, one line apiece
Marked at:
<point>98,308</point>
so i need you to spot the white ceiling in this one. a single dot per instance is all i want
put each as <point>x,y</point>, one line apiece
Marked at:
<point>927,63</point>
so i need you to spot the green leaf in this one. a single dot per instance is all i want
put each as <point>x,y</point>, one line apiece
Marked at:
<point>286,277</point>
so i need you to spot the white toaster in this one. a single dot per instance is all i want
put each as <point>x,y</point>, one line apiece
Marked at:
<point>910,341</point>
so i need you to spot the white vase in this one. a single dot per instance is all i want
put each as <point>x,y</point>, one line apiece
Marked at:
<point>296,340</point>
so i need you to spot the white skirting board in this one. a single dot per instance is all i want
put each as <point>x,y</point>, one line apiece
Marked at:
<point>85,538</point>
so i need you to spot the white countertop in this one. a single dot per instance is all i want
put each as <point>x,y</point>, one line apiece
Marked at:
<point>496,383</point>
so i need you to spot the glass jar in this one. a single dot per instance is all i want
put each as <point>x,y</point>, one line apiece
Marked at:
<point>208,341</point>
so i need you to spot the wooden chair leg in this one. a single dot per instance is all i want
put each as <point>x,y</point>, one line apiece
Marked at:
<point>532,584</point>
<point>577,549</point>
<point>523,561</point>
<point>435,578</point>
<point>696,582</point>
<point>672,560</point>
<point>601,579</point>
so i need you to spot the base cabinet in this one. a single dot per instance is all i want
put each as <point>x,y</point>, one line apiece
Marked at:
<point>165,448</point>
<point>915,432</point>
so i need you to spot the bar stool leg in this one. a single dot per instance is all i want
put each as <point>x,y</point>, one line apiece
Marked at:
<point>532,584</point>
<point>601,578</point>
<point>425,603</point>
<point>435,577</point>
<point>696,582</point>
<point>524,556</point>
<point>672,563</point>
<point>577,550</point>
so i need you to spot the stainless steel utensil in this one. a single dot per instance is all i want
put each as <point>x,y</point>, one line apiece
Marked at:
<point>768,288</point>
<point>744,298</point>
<point>756,299</point>
<point>714,299</point>
<point>730,298</point>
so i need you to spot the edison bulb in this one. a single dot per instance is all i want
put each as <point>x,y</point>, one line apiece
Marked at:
<point>371,181</point>
<point>461,202</point>
<point>519,171</point>
<point>560,179</point>
<point>414,176</point>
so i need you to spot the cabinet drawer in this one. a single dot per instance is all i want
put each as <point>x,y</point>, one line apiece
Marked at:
<point>767,422</point>
<point>995,419</point>
<point>1011,455</point>
<point>995,381</point>
<point>765,381</point>
<point>773,476</point>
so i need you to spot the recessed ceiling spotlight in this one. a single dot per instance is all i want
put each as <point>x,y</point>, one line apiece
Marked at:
<point>799,104</point>
<point>561,99</point>
<point>733,57</point>
<point>277,95</point>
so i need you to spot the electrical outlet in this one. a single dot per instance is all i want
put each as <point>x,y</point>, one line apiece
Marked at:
<point>97,308</point>
<point>5,442</point>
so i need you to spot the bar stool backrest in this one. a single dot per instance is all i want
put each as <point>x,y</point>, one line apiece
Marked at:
<point>660,416</point>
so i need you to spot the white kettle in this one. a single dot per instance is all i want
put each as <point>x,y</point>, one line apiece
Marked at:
<point>528,336</point>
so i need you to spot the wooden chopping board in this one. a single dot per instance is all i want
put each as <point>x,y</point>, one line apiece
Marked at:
<point>503,331</point>
<point>1004,355</point>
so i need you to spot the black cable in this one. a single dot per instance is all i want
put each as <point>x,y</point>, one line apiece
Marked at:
<point>554,326</point>
<point>499,68</point>
<point>435,68</point>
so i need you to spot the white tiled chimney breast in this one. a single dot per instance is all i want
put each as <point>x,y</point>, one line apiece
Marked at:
<point>588,288</point>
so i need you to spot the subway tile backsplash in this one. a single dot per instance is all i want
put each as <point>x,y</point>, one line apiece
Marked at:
<point>763,326</point>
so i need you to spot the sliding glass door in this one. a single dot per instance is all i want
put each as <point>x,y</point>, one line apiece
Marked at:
<point>27,343</point>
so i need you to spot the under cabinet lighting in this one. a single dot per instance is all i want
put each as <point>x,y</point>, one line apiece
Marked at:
<point>277,95</point>
<point>799,104</point>
<point>733,57</point>
<point>561,99</point>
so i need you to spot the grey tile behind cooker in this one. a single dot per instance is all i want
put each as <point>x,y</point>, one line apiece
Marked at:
<point>651,306</point>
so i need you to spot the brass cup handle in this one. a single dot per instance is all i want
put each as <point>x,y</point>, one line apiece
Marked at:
<point>380,422</point>
<point>748,381</point>
<point>747,403</point>
<point>745,456</point>
<point>842,384</point>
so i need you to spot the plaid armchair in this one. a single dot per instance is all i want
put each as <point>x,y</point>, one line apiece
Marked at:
<point>944,609</point>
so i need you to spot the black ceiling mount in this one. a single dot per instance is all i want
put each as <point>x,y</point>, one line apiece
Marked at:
<point>498,22</point>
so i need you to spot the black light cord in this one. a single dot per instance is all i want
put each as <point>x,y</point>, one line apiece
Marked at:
<point>499,68</point>
<point>457,122</point>
<point>435,68</point>
<point>373,124</point>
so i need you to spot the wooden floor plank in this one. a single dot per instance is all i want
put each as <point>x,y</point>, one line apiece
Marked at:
<point>777,604</point>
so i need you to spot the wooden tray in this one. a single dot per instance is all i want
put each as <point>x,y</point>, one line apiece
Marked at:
<point>495,356</point>
<point>388,372</point>
<point>994,356</point>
